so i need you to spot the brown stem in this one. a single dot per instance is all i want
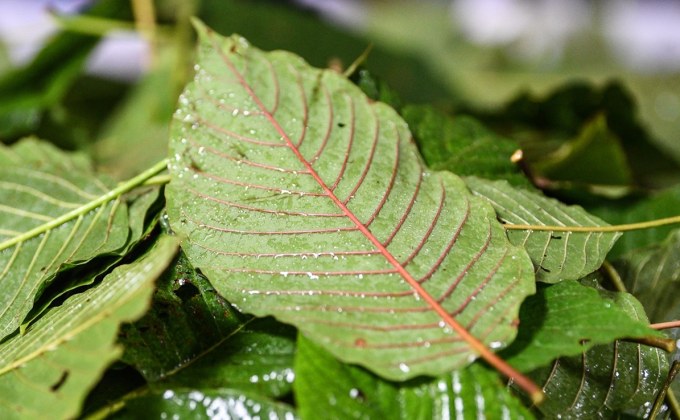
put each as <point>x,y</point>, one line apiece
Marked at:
<point>667,344</point>
<point>658,402</point>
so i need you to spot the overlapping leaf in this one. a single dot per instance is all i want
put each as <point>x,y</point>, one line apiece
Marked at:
<point>302,199</point>
<point>34,192</point>
<point>204,403</point>
<point>607,379</point>
<point>462,145</point>
<point>556,255</point>
<point>193,338</point>
<point>653,276</point>
<point>568,318</point>
<point>47,372</point>
<point>351,392</point>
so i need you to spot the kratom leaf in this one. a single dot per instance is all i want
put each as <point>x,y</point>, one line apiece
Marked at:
<point>607,379</point>
<point>462,145</point>
<point>325,385</point>
<point>300,198</point>
<point>556,256</point>
<point>660,205</point>
<point>54,215</point>
<point>653,276</point>
<point>47,372</point>
<point>202,403</point>
<point>191,337</point>
<point>566,319</point>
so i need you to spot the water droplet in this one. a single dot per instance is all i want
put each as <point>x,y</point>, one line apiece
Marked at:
<point>495,344</point>
<point>201,150</point>
<point>354,393</point>
<point>404,367</point>
<point>235,112</point>
<point>284,273</point>
<point>168,394</point>
<point>246,112</point>
<point>312,276</point>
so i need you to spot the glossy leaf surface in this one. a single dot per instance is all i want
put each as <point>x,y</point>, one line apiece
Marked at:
<point>462,145</point>
<point>191,337</point>
<point>47,372</point>
<point>39,184</point>
<point>325,385</point>
<point>204,404</point>
<point>568,318</point>
<point>300,198</point>
<point>556,255</point>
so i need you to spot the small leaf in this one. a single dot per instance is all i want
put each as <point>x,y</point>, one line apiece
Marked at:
<point>47,372</point>
<point>300,198</point>
<point>204,403</point>
<point>556,256</point>
<point>324,385</point>
<point>568,318</point>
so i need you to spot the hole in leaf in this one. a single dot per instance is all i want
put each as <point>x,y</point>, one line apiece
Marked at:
<point>62,379</point>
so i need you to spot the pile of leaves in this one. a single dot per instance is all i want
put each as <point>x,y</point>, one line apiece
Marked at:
<point>312,245</point>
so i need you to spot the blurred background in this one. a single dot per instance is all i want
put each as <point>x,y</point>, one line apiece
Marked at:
<point>459,54</point>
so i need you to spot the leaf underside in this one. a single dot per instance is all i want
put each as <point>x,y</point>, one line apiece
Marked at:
<point>556,256</point>
<point>47,372</point>
<point>38,184</point>
<point>300,198</point>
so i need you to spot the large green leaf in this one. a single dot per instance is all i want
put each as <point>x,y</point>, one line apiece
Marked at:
<point>47,372</point>
<point>567,319</point>
<point>56,213</point>
<point>300,198</point>
<point>556,255</point>
<point>325,385</point>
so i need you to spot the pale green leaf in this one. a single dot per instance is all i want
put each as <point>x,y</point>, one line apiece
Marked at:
<point>556,255</point>
<point>341,391</point>
<point>566,319</point>
<point>47,372</point>
<point>300,198</point>
<point>55,214</point>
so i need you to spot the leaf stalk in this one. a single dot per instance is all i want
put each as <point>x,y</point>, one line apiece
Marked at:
<point>597,229</point>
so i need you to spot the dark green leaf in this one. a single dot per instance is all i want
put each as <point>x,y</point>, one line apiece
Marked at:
<point>192,337</point>
<point>325,385</point>
<point>462,145</point>
<point>567,319</point>
<point>201,403</point>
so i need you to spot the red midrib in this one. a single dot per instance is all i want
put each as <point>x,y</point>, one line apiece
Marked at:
<point>477,345</point>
